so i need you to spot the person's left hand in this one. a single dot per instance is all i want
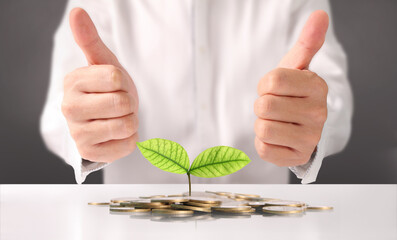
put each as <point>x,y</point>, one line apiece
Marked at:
<point>292,103</point>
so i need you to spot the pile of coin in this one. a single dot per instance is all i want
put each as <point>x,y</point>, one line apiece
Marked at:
<point>206,205</point>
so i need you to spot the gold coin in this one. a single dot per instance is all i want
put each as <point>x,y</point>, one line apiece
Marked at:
<point>227,194</point>
<point>123,199</point>
<point>175,195</point>
<point>172,212</point>
<point>244,195</point>
<point>152,197</point>
<point>125,209</point>
<point>234,211</point>
<point>161,206</point>
<point>196,204</point>
<point>235,208</point>
<point>285,203</point>
<point>98,203</point>
<point>170,200</point>
<point>149,205</point>
<point>126,204</point>
<point>112,205</point>
<point>187,207</point>
<point>205,200</point>
<point>319,208</point>
<point>282,210</point>
<point>256,204</point>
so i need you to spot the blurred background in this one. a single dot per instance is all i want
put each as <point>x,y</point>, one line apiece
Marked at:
<point>367,30</point>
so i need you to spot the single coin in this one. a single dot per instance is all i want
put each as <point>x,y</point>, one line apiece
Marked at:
<point>246,196</point>
<point>282,210</point>
<point>125,209</point>
<point>234,203</point>
<point>161,206</point>
<point>123,199</point>
<point>170,200</point>
<point>115,205</point>
<point>285,203</point>
<point>227,194</point>
<point>172,212</point>
<point>98,203</point>
<point>236,212</point>
<point>234,208</point>
<point>197,204</point>
<point>187,207</point>
<point>256,204</point>
<point>310,207</point>
<point>126,204</point>
<point>205,200</point>
<point>175,195</point>
<point>149,205</point>
<point>153,197</point>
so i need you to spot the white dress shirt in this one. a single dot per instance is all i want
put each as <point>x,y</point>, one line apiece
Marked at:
<point>196,65</point>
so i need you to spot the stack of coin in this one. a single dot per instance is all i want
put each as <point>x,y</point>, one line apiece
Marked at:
<point>205,205</point>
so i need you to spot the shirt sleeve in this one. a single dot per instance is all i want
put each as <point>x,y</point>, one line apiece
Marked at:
<point>66,57</point>
<point>330,63</point>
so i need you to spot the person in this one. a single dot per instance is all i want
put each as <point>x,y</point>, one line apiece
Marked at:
<point>254,75</point>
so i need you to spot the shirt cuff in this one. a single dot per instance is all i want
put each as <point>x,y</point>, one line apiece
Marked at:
<point>308,172</point>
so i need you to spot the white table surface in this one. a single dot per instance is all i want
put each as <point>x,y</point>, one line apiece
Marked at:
<point>61,212</point>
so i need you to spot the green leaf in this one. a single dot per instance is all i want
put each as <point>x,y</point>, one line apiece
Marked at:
<point>165,154</point>
<point>218,161</point>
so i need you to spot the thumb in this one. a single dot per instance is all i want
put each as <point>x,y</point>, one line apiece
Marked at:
<point>86,36</point>
<point>310,41</point>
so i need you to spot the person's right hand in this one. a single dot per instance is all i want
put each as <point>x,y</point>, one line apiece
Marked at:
<point>100,101</point>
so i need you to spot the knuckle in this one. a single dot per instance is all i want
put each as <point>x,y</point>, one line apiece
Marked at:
<point>68,80</point>
<point>311,141</point>
<point>320,116</point>
<point>321,84</point>
<point>121,102</point>
<point>263,151</point>
<point>265,131</point>
<point>274,79</point>
<point>263,106</point>
<point>67,109</point>
<point>128,125</point>
<point>116,77</point>
<point>75,133</point>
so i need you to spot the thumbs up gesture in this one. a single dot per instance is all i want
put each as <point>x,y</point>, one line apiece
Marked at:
<point>100,100</point>
<point>292,103</point>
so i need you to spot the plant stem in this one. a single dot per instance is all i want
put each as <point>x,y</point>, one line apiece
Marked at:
<point>190,185</point>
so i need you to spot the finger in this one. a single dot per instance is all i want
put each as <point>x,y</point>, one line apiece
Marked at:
<point>284,109</point>
<point>289,82</point>
<point>86,36</point>
<point>284,134</point>
<point>98,79</point>
<point>310,41</point>
<point>112,150</point>
<point>101,106</point>
<point>278,155</point>
<point>103,130</point>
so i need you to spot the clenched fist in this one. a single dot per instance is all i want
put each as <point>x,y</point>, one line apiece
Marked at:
<point>292,103</point>
<point>100,101</point>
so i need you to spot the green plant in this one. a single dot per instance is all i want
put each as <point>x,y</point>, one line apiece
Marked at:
<point>214,162</point>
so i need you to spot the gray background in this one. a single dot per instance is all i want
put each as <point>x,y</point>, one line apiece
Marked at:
<point>367,30</point>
